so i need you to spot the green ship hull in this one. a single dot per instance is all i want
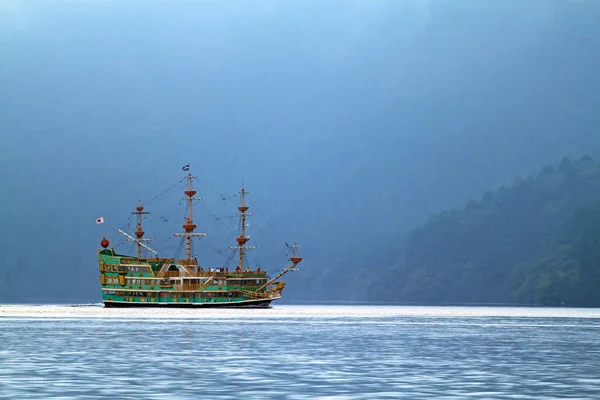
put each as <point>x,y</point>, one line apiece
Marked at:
<point>132,282</point>
<point>237,304</point>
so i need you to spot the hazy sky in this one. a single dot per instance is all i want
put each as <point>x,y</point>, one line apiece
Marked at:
<point>350,121</point>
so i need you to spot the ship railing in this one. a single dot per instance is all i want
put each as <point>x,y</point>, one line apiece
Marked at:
<point>175,274</point>
<point>143,261</point>
<point>131,260</point>
<point>161,260</point>
<point>187,271</point>
<point>187,262</point>
<point>230,274</point>
<point>193,272</point>
<point>168,274</point>
<point>258,295</point>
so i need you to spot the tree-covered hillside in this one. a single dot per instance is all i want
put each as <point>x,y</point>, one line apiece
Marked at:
<point>537,242</point>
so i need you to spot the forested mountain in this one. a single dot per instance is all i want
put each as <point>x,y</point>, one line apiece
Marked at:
<point>536,242</point>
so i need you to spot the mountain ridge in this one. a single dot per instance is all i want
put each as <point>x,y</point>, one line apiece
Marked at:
<point>526,244</point>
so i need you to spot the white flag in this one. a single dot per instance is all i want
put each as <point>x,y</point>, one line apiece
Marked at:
<point>100,220</point>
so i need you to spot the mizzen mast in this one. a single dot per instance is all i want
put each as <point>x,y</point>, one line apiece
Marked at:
<point>189,226</point>
<point>242,239</point>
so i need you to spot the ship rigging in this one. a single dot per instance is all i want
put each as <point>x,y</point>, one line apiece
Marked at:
<point>137,281</point>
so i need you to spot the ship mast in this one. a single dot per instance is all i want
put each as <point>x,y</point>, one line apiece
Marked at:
<point>139,232</point>
<point>242,239</point>
<point>189,225</point>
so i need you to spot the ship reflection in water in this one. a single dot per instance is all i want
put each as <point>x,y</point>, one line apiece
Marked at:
<point>299,352</point>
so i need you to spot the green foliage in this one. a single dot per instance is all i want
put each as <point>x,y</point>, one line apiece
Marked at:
<point>537,242</point>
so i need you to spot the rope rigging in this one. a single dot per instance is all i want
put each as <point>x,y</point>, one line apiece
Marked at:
<point>179,248</point>
<point>164,193</point>
<point>227,225</point>
<point>228,262</point>
<point>165,218</point>
<point>221,195</point>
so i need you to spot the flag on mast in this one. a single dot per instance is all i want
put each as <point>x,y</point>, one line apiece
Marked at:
<point>100,220</point>
<point>186,167</point>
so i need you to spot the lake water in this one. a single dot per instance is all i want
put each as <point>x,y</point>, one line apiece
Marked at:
<point>299,352</point>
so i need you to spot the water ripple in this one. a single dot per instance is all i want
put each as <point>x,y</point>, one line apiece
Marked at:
<point>294,352</point>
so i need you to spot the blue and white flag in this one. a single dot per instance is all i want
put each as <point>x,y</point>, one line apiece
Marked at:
<point>186,167</point>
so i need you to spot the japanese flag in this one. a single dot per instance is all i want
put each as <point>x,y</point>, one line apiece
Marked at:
<point>100,220</point>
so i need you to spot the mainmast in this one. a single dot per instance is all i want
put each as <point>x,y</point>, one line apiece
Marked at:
<point>242,239</point>
<point>139,232</point>
<point>189,225</point>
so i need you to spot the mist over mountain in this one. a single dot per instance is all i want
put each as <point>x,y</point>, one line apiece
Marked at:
<point>534,242</point>
<point>350,122</point>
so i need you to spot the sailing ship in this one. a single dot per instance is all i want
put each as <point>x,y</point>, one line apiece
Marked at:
<point>134,281</point>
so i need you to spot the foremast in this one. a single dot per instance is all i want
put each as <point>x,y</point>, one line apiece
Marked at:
<point>139,232</point>
<point>242,239</point>
<point>189,226</point>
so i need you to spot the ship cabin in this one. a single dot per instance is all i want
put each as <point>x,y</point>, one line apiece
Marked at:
<point>125,278</point>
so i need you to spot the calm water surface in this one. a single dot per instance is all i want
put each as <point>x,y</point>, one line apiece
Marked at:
<point>299,352</point>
